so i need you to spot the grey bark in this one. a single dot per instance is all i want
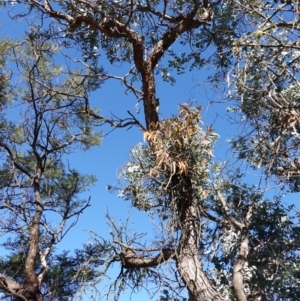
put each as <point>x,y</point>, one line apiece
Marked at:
<point>189,264</point>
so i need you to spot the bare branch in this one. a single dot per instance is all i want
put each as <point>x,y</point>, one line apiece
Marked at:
<point>227,212</point>
<point>130,259</point>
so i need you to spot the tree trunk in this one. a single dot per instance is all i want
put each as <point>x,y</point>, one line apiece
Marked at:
<point>31,293</point>
<point>239,264</point>
<point>189,264</point>
<point>149,96</point>
<point>32,286</point>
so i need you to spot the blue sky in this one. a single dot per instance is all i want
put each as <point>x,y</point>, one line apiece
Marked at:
<point>104,161</point>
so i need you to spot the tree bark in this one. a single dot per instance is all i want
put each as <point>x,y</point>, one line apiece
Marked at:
<point>30,290</point>
<point>149,96</point>
<point>32,286</point>
<point>189,264</point>
<point>26,292</point>
<point>239,264</point>
<point>130,259</point>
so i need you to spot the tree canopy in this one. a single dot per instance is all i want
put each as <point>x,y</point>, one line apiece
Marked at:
<point>219,236</point>
<point>40,193</point>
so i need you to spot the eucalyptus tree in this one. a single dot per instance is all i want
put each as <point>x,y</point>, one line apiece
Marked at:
<point>42,120</point>
<point>141,33</point>
<point>170,177</point>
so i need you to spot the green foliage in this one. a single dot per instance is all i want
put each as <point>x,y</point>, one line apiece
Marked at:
<point>5,75</point>
<point>52,124</point>
<point>256,48</point>
<point>271,269</point>
<point>36,186</point>
<point>62,282</point>
<point>266,86</point>
<point>179,145</point>
<point>146,20</point>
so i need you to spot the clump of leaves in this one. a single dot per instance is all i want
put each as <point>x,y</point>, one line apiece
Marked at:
<point>177,151</point>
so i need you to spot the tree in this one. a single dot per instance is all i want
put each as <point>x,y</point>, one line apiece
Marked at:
<point>204,215</point>
<point>40,194</point>
<point>250,242</point>
<point>61,282</point>
<point>115,22</point>
<point>267,76</point>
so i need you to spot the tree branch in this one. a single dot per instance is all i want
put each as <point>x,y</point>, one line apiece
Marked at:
<point>7,283</point>
<point>11,287</point>
<point>227,212</point>
<point>130,259</point>
<point>206,214</point>
<point>187,23</point>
